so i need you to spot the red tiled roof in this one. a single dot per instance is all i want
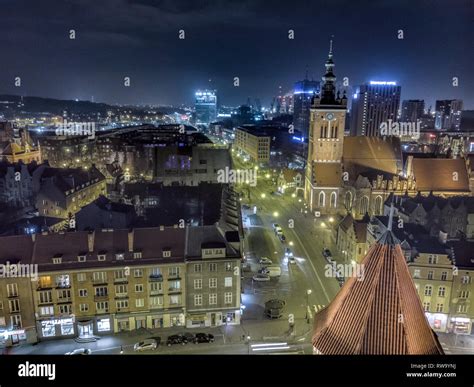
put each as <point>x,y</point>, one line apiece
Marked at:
<point>380,314</point>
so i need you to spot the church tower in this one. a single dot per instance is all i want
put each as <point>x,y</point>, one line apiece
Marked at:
<point>326,139</point>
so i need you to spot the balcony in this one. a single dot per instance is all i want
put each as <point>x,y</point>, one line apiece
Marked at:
<point>63,286</point>
<point>156,278</point>
<point>13,295</point>
<point>64,300</point>
<point>44,287</point>
<point>174,290</point>
<point>99,281</point>
<point>174,277</point>
<point>156,292</point>
<point>120,296</point>
<point>121,280</point>
<point>101,297</point>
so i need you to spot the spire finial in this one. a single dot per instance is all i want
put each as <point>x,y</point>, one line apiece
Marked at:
<point>330,45</point>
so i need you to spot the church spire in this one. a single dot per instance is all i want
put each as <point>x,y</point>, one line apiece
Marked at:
<point>329,88</point>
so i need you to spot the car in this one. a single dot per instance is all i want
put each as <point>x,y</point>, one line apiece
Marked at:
<point>145,345</point>
<point>80,351</point>
<point>292,259</point>
<point>188,337</point>
<point>275,226</point>
<point>288,252</point>
<point>282,238</point>
<point>265,261</point>
<point>175,339</point>
<point>245,207</point>
<point>327,253</point>
<point>261,277</point>
<point>203,338</point>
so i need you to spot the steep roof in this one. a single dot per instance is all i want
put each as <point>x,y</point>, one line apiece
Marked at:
<point>327,174</point>
<point>437,175</point>
<point>380,314</point>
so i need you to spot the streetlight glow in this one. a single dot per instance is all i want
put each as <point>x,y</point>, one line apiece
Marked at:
<point>262,196</point>
<point>275,214</point>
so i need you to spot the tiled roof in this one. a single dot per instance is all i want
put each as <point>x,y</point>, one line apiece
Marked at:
<point>380,314</point>
<point>437,175</point>
<point>327,174</point>
<point>462,253</point>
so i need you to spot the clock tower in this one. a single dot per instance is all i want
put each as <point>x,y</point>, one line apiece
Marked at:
<point>323,180</point>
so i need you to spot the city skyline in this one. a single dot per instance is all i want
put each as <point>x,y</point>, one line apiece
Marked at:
<point>141,40</point>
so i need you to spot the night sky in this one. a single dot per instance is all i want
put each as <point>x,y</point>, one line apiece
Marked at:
<point>227,39</point>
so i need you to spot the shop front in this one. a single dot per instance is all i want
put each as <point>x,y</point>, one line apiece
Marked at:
<point>87,328</point>
<point>437,321</point>
<point>460,325</point>
<point>56,328</point>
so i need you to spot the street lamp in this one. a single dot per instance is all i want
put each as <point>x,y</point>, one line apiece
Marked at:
<point>323,224</point>
<point>275,214</point>
<point>262,196</point>
<point>267,175</point>
<point>291,243</point>
<point>331,219</point>
<point>293,195</point>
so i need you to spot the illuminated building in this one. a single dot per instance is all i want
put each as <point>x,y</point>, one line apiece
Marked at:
<point>206,107</point>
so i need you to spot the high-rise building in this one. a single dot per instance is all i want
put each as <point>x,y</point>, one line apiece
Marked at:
<point>205,106</point>
<point>448,114</point>
<point>412,110</point>
<point>303,94</point>
<point>372,104</point>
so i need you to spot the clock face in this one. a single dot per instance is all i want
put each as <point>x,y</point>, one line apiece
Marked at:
<point>329,116</point>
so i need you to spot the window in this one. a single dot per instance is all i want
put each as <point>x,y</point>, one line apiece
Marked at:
<point>416,273</point>
<point>102,307</point>
<point>121,290</point>
<point>156,287</point>
<point>430,275</point>
<point>139,288</point>
<point>228,266</point>
<point>101,257</point>
<point>444,276</point>
<point>46,310</point>
<point>465,279</point>
<point>464,294</point>
<point>213,282</point>
<point>439,308</point>
<point>81,258</point>
<point>101,291</point>
<point>140,302</point>
<point>14,305</point>
<point>228,297</point>
<point>81,277</point>
<point>173,271</point>
<point>65,309</point>
<point>83,307</point>
<point>174,286</point>
<point>99,276</point>
<point>428,290</point>
<point>197,284</point>
<point>82,292</point>
<point>156,302</point>
<point>333,200</point>
<point>122,304</point>
<point>212,299</point>
<point>166,253</point>
<point>137,254</point>
<point>16,321</point>
<point>197,268</point>
<point>197,299</point>
<point>12,290</point>
<point>175,300</point>
<point>228,282</point>
<point>156,272</point>
<point>120,274</point>
<point>213,267</point>
<point>322,199</point>
<point>426,306</point>
<point>138,273</point>
<point>45,297</point>
<point>432,259</point>
<point>57,260</point>
<point>441,291</point>
<point>120,256</point>
<point>462,308</point>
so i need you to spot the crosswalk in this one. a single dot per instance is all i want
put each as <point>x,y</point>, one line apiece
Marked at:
<point>318,308</point>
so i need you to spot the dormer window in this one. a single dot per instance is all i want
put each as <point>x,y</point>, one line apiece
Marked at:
<point>57,259</point>
<point>166,253</point>
<point>101,257</point>
<point>119,256</point>
<point>81,258</point>
<point>137,254</point>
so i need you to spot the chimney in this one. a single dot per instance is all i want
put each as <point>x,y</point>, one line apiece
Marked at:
<point>90,241</point>
<point>443,237</point>
<point>131,234</point>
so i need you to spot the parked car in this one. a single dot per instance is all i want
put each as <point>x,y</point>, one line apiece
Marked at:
<point>175,339</point>
<point>327,253</point>
<point>145,345</point>
<point>265,261</point>
<point>275,226</point>
<point>80,351</point>
<point>282,238</point>
<point>271,271</point>
<point>292,259</point>
<point>187,337</point>
<point>288,252</point>
<point>261,277</point>
<point>203,338</point>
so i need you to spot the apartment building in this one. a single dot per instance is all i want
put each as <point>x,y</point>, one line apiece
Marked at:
<point>213,261</point>
<point>254,143</point>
